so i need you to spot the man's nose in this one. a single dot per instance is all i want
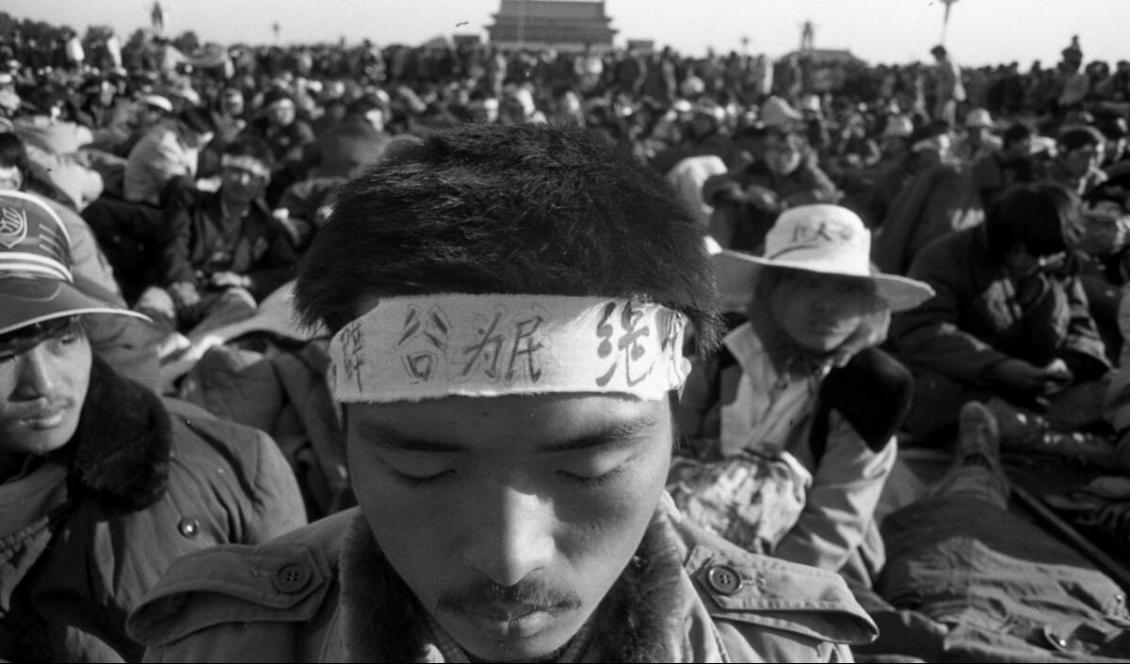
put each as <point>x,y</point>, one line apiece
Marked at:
<point>512,536</point>
<point>36,378</point>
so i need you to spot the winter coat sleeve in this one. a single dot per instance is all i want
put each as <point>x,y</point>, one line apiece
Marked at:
<point>276,503</point>
<point>177,245</point>
<point>276,266</point>
<point>841,503</point>
<point>928,336</point>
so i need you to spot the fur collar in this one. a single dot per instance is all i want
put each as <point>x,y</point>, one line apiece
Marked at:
<point>119,454</point>
<point>641,620</point>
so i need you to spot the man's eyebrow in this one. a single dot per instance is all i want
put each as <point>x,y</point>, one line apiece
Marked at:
<point>620,434</point>
<point>388,437</point>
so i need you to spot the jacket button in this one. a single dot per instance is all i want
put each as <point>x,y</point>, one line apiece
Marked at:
<point>291,578</point>
<point>189,527</point>
<point>724,579</point>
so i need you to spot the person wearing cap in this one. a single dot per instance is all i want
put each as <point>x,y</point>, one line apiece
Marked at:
<point>894,140</point>
<point>168,152</point>
<point>508,308</point>
<point>801,379</point>
<point>102,483</point>
<point>127,344</point>
<point>781,172</point>
<point>1010,319</point>
<point>978,140</point>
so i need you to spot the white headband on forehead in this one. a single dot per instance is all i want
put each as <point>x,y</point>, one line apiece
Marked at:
<point>247,163</point>
<point>433,346</point>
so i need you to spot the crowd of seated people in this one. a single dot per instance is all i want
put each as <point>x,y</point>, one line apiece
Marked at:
<point>985,219</point>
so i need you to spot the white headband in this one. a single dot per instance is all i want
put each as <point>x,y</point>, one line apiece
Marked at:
<point>428,347</point>
<point>247,163</point>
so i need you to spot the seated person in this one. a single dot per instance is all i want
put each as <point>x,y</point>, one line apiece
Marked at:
<point>967,580</point>
<point>511,498</point>
<point>1079,151</point>
<point>812,302</point>
<point>169,150</point>
<point>748,199</point>
<point>225,252</point>
<point>102,484</point>
<point>1010,318</point>
<point>127,344</point>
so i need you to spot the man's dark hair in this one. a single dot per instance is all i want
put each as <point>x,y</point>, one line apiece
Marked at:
<point>524,209</point>
<point>249,145</point>
<point>1079,137</point>
<point>1016,132</point>
<point>1032,216</point>
<point>13,153</point>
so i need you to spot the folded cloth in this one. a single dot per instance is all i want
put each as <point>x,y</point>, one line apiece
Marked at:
<point>751,498</point>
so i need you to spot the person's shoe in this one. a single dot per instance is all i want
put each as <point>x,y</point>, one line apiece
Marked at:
<point>978,439</point>
<point>976,462</point>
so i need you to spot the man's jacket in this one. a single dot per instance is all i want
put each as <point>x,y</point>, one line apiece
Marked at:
<point>979,317</point>
<point>201,243</point>
<point>324,593</point>
<point>93,527</point>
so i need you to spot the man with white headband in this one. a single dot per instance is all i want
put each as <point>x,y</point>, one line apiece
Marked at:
<point>225,251</point>
<point>510,308</point>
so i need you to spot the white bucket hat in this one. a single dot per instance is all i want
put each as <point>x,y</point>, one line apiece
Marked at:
<point>828,239</point>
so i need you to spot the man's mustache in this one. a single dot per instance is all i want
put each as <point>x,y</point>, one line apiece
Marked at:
<point>526,596</point>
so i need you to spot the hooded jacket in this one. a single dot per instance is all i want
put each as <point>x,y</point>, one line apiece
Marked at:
<point>143,481</point>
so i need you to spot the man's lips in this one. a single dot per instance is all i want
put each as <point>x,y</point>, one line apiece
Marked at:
<point>504,622</point>
<point>45,416</point>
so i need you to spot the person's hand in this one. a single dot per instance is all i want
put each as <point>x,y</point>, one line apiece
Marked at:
<point>230,280</point>
<point>1025,377</point>
<point>872,331</point>
<point>762,198</point>
<point>184,294</point>
<point>1059,376</point>
<point>731,193</point>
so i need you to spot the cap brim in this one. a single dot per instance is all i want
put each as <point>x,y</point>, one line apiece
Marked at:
<point>736,271</point>
<point>29,301</point>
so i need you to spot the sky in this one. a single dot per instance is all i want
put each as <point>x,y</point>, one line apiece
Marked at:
<point>879,31</point>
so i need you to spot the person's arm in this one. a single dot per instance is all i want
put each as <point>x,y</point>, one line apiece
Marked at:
<point>276,267</point>
<point>176,245</point>
<point>1084,350</point>
<point>929,336</point>
<point>841,503</point>
<point>276,502</point>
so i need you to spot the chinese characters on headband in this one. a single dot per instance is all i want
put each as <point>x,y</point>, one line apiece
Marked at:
<point>429,346</point>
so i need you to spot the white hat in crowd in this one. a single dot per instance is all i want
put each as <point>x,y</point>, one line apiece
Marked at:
<point>828,239</point>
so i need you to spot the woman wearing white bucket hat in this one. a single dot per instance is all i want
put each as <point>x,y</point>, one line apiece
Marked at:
<point>801,378</point>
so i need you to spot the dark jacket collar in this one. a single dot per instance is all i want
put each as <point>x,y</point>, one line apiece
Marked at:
<point>119,454</point>
<point>383,622</point>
